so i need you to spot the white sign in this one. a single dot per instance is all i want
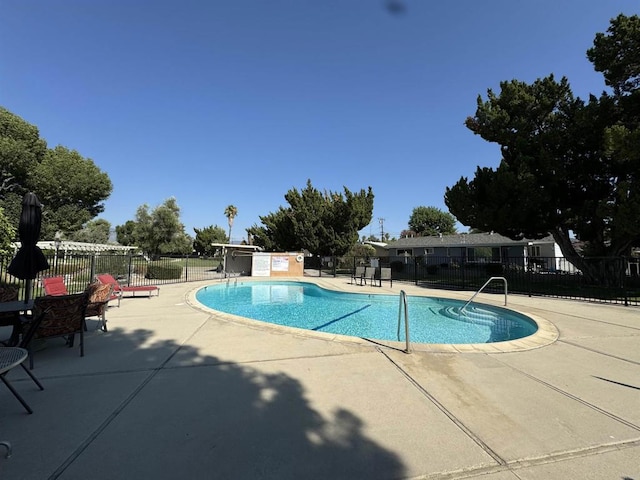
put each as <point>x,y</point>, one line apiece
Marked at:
<point>260,265</point>
<point>279,264</point>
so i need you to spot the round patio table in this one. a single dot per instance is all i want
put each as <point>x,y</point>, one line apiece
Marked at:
<point>11,357</point>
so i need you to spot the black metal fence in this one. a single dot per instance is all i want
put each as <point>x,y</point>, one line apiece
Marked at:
<point>548,276</point>
<point>80,269</point>
<point>539,277</point>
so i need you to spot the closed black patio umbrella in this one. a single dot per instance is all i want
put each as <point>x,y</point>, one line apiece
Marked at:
<point>29,259</point>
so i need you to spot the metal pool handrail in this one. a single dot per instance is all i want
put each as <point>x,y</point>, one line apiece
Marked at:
<point>403,301</point>
<point>482,287</point>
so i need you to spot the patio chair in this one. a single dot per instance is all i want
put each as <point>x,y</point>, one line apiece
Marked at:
<point>370,274</point>
<point>11,357</point>
<point>385,275</point>
<point>99,295</point>
<point>358,275</point>
<point>54,286</point>
<point>10,294</point>
<point>121,290</point>
<point>64,317</point>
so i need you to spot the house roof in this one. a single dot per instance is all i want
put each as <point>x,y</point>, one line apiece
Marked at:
<point>375,244</point>
<point>465,240</point>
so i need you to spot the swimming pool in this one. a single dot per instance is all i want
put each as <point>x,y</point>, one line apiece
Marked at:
<point>308,306</point>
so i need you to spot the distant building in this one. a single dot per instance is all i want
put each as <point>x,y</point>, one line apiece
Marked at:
<point>380,248</point>
<point>542,254</point>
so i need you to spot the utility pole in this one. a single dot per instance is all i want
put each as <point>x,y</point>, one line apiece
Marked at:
<point>381,220</point>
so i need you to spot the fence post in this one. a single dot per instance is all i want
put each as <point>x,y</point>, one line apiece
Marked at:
<point>186,268</point>
<point>130,268</point>
<point>463,261</point>
<point>623,274</point>
<point>55,261</point>
<point>93,267</point>
<point>415,270</point>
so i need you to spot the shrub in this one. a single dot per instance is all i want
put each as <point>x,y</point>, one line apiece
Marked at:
<point>63,268</point>
<point>493,269</point>
<point>432,269</point>
<point>397,266</point>
<point>514,267</point>
<point>116,265</point>
<point>142,270</point>
<point>164,272</point>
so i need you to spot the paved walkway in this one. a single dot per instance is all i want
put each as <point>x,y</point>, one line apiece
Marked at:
<point>177,391</point>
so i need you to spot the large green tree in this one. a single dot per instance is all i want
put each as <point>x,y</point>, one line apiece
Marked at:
<point>125,234</point>
<point>568,166</point>
<point>324,223</point>
<point>159,231</point>
<point>7,234</point>
<point>72,188</point>
<point>426,221</point>
<point>21,149</point>
<point>206,236</point>
<point>94,231</point>
<point>276,232</point>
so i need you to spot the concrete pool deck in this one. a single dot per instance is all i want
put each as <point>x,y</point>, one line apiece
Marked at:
<point>178,391</point>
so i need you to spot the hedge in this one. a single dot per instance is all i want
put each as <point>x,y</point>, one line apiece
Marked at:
<point>164,272</point>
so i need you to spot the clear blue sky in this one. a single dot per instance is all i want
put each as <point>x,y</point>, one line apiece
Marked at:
<point>236,102</point>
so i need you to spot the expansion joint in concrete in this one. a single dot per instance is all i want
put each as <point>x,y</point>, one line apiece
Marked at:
<point>448,413</point>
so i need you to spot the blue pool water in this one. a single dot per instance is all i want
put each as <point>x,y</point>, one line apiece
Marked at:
<point>305,305</point>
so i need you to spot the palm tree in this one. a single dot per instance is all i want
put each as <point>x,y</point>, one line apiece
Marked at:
<point>230,212</point>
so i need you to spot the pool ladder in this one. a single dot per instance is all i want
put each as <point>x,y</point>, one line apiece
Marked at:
<point>402,307</point>
<point>482,287</point>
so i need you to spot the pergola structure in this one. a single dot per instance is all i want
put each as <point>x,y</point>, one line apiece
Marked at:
<point>65,246</point>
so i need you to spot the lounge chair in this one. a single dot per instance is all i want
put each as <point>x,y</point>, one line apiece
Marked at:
<point>54,286</point>
<point>121,290</point>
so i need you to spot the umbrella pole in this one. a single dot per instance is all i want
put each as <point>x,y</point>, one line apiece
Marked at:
<point>27,290</point>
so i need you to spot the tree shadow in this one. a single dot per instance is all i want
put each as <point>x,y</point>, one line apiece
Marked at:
<point>192,416</point>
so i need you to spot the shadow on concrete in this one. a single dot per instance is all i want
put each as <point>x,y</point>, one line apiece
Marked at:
<point>174,412</point>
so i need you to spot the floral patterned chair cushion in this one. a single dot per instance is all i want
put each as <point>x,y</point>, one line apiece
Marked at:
<point>99,295</point>
<point>64,315</point>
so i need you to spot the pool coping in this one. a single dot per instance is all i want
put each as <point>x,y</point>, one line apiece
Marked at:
<point>545,335</point>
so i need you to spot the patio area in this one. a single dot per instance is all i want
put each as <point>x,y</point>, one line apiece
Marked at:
<point>174,390</point>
